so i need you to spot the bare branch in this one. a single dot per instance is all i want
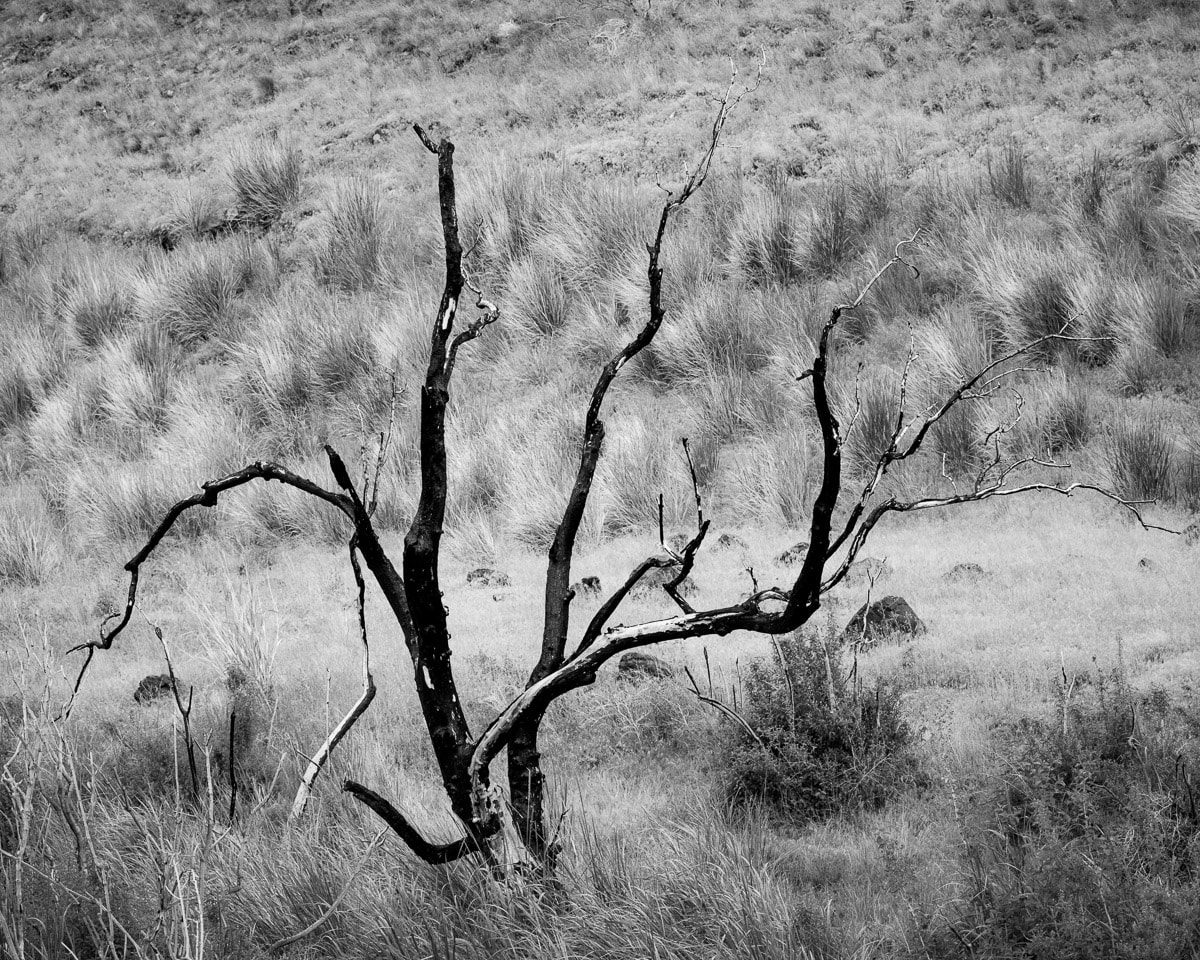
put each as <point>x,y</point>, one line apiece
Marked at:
<point>317,763</point>
<point>727,711</point>
<point>429,852</point>
<point>207,497</point>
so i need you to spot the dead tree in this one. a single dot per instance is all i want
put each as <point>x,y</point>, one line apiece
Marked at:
<point>508,832</point>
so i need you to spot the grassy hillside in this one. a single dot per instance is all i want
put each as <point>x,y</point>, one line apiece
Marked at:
<point>219,243</point>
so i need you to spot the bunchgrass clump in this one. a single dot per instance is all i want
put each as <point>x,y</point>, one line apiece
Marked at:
<point>354,255</point>
<point>1008,176</point>
<point>765,243</point>
<point>30,548</point>
<point>1140,458</point>
<point>191,295</point>
<point>266,176</point>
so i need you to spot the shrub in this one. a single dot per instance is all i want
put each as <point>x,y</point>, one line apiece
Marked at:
<point>1089,845</point>
<point>537,302</point>
<point>1171,328</point>
<point>266,178</point>
<point>824,742</point>
<point>1092,185</point>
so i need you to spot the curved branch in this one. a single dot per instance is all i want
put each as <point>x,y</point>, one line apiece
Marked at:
<point>429,852</point>
<point>207,497</point>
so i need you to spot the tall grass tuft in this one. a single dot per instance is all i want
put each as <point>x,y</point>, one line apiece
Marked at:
<point>30,548</point>
<point>772,480</point>
<point>868,414</point>
<point>832,234</point>
<point>1140,458</point>
<point>537,302</point>
<point>99,302</point>
<point>765,242</point>
<point>192,294</point>
<point>1008,176</point>
<point>354,255</point>
<point>266,177</point>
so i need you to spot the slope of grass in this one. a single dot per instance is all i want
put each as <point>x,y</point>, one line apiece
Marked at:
<point>219,242</point>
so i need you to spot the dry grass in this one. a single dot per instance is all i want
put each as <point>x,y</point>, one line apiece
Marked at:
<point>166,328</point>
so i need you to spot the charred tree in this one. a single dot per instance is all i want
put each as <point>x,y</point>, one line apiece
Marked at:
<point>508,832</point>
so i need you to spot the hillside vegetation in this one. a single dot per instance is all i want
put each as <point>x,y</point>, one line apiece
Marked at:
<point>219,243</point>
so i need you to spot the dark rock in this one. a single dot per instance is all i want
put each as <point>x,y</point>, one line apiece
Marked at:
<point>651,585</point>
<point>793,554</point>
<point>587,587</point>
<point>964,571</point>
<point>154,687</point>
<point>635,666</point>
<point>1147,564</point>
<point>887,618</point>
<point>868,569</point>
<point>731,541</point>
<point>1191,533</point>
<point>487,577</point>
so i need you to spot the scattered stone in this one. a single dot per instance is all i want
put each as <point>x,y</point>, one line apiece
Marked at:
<point>964,571</point>
<point>154,687</point>
<point>793,554</point>
<point>636,666</point>
<point>587,587</point>
<point>890,617</point>
<point>1191,533</point>
<point>487,577</point>
<point>867,569</point>
<point>731,541</point>
<point>651,585</point>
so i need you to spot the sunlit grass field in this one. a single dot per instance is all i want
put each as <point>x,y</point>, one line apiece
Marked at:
<point>219,243</point>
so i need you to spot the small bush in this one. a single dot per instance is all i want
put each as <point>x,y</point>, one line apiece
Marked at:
<point>1171,327</point>
<point>827,742</point>
<point>266,178</point>
<point>1093,185</point>
<point>1089,846</point>
<point>538,303</point>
